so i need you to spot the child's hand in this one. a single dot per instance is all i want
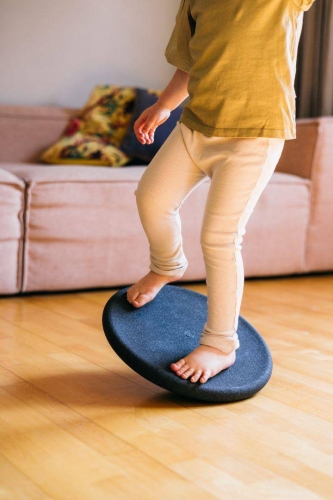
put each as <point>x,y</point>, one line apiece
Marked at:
<point>148,121</point>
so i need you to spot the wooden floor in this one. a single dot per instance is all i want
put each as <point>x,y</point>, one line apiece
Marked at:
<point>77,423</point>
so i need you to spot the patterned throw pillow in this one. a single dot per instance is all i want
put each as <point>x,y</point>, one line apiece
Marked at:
<point>94,135</point>
<point>108,112</point>
<point>81,149</point>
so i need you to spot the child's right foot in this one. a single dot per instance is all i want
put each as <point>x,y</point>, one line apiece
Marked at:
<point>148,287</point>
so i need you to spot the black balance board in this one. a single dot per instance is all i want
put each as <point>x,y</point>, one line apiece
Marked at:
<point>151,337</point>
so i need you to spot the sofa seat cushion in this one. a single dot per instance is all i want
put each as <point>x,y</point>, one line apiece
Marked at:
<point>277,229</point>
<point>11,231</point>
<point>80,223</point>
<point>31,172</point>
<point>83,229</point>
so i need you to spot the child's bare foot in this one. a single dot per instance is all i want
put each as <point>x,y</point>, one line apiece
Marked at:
<point>203,363</point>
<point>148,287</point>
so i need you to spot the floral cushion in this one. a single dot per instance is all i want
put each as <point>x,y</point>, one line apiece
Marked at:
<point>81,149</point>
<point>94,135</point>
<point>108,112</point>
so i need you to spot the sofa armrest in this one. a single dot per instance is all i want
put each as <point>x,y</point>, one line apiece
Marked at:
<point>12,201</point>
<point>311,156</point>
<point>310,153</point>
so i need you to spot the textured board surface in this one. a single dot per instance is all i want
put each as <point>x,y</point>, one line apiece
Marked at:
<point>149,338</point>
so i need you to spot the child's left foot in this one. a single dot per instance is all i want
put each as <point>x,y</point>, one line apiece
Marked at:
<point>203,363</point>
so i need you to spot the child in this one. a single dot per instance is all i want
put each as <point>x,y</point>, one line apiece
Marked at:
<point>236,60</point>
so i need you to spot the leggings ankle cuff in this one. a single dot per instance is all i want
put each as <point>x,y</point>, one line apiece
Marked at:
<point>223,344</point>
<point>172,272</point>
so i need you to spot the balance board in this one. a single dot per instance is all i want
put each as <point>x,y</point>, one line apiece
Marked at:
<point>151,337</point>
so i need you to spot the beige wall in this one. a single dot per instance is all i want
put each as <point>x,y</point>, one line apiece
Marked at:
<point>52,52</point>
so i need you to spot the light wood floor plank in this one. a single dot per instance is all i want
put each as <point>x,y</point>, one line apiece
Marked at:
<point>76,422</point>
<point>14,484</point>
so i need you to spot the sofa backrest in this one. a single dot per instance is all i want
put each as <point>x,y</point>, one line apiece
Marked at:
<point>25,131</point>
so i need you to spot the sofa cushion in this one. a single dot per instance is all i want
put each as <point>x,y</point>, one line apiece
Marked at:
<point>80,223</point>
<point>146,152</point>
<point>11,231</point>
<point>93,136</point>
<point>83,149</point>
<point>108,111</point>
<point>83,229</point>
<point>36,173</point>
<point>276,232</point>
<point>310,156</point>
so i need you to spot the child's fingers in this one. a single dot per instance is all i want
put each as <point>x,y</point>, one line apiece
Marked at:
<point>139,124</point>
<point>151,134</point>
<point>150,124</point>
<point>148,133</point>
<point>144,128</point>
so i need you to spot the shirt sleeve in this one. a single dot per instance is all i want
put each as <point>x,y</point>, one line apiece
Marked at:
<point>177,50</point>
<point>304,4</point>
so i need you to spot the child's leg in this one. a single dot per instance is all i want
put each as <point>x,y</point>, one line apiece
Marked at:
<point>166,182</point>
<point>239,169</point>
<point>239,175</point>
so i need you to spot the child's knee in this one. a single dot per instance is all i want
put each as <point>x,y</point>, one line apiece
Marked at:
<point>221,238</point>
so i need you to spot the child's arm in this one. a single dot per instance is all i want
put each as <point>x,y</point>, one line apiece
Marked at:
<point>174,94</point>
<point>177,53</point>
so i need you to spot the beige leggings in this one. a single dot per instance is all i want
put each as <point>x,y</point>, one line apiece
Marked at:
<point>239,169</point>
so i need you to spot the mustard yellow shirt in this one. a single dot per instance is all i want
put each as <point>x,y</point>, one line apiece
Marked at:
<point>241,58</point>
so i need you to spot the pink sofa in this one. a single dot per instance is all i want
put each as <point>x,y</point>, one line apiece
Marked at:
<point>77,227</point>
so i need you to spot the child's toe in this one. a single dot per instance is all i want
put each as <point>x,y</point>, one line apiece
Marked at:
<point>196,376</point>
<point>177,365</point>
<point>134,294</point>
<point>183,369</point>
<point>141,299</point>
<point>205,376</point>
<point>188,373</point>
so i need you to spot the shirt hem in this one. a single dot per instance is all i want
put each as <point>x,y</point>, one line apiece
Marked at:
<point>235,132</point>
